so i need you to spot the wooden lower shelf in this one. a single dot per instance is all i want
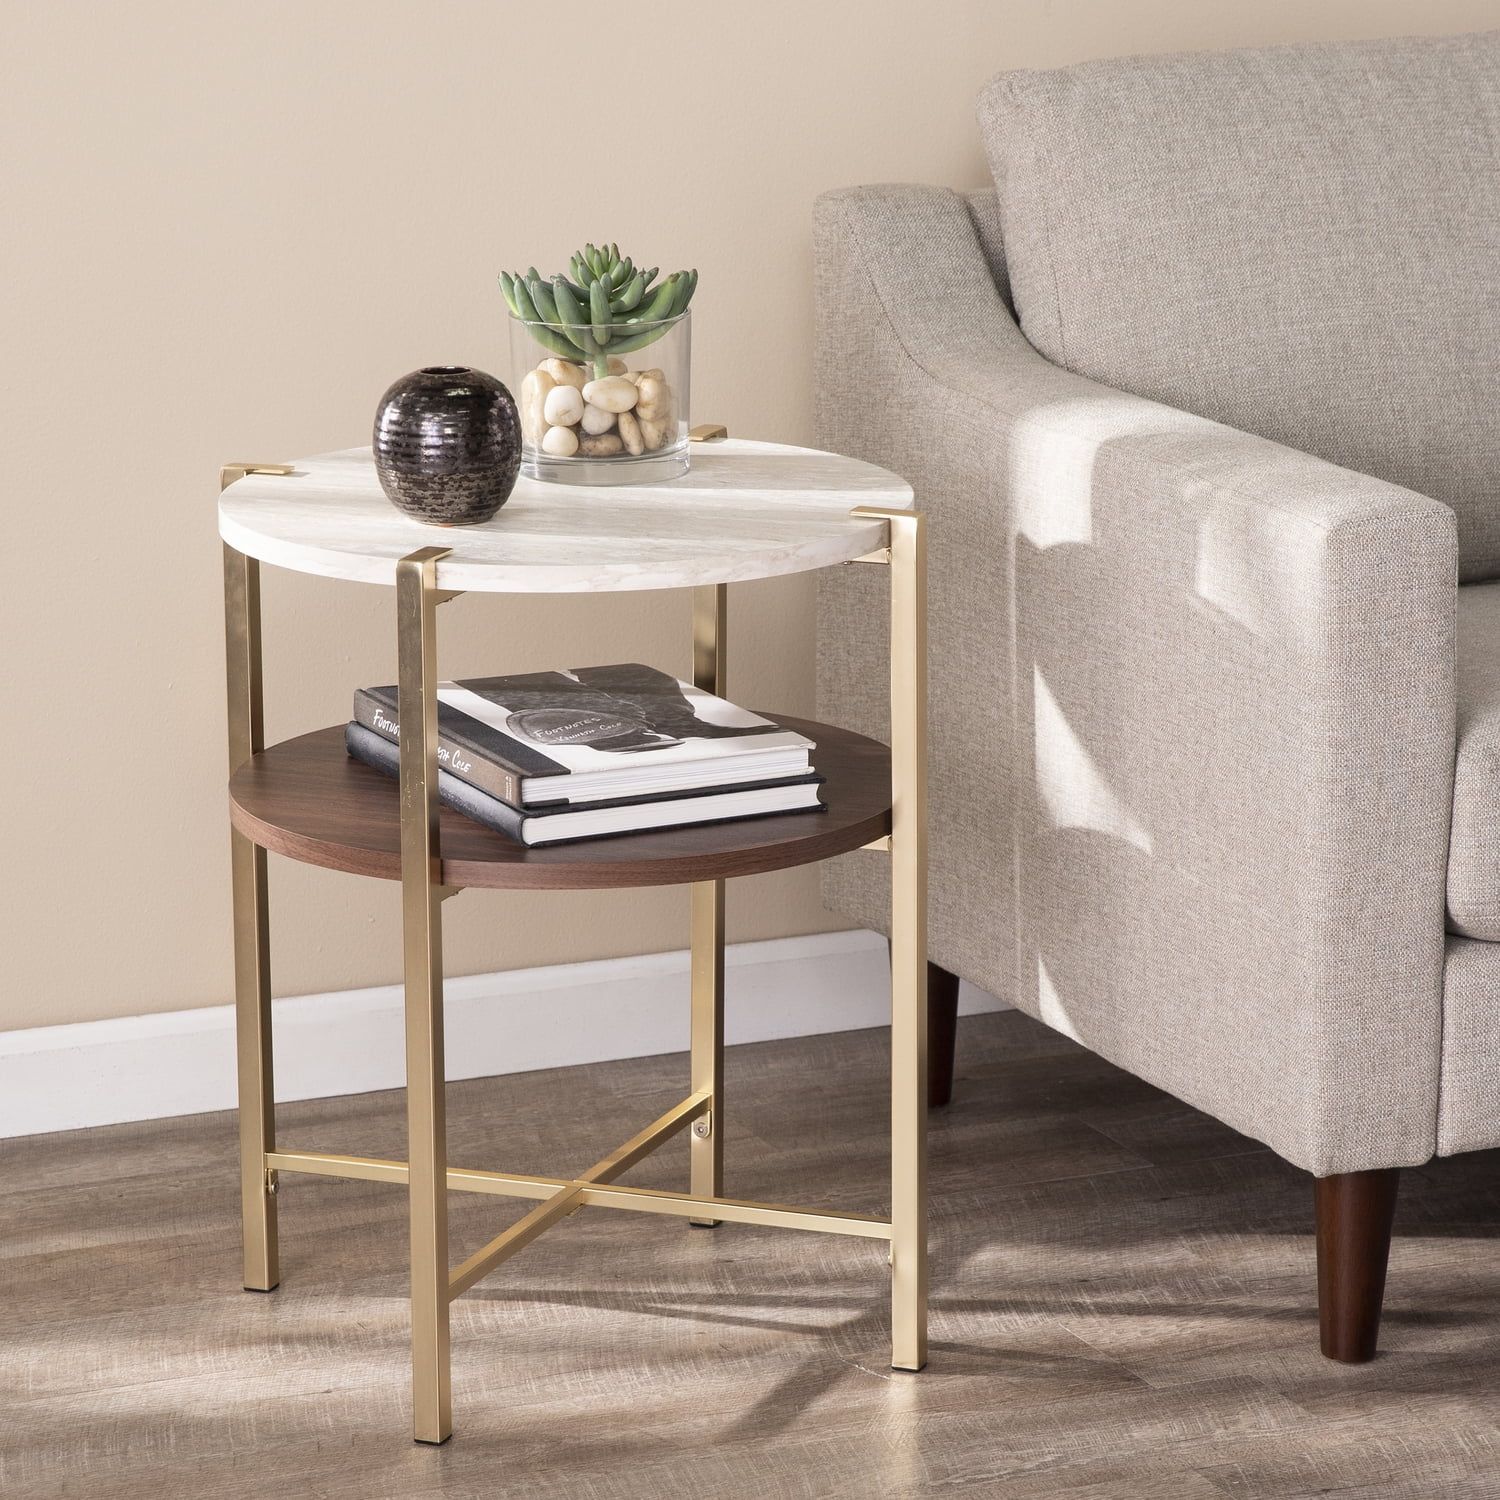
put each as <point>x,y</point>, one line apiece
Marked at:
<point>305,798</point>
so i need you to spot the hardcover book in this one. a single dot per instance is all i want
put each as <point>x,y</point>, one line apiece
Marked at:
<point>594,734</point>
<point>564,823</point>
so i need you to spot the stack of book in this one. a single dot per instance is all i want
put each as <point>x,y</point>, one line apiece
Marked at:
<point>548,757</point>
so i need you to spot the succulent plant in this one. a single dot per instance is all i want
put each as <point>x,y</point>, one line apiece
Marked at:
<point>604,306</point>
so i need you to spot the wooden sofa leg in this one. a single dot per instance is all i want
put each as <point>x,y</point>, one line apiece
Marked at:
<point>942,1026</point>
<point>942,1033</point>
<point>942,1029</point>
<point>1354,1210</point>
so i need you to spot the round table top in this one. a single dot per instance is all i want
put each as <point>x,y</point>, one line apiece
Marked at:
<point>306,799</point>
<point>743,510</point>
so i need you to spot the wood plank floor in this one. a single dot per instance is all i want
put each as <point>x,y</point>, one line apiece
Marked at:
<point>1122,1306</point>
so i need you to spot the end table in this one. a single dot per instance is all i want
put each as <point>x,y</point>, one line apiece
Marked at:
<point>746,510</point>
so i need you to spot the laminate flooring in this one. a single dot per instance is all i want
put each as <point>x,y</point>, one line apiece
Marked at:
<point>1122,1305</point>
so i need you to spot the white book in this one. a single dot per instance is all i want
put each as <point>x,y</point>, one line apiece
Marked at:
<point>560,822</point>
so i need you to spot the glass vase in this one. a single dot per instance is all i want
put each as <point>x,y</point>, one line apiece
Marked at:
<point>613,412</point>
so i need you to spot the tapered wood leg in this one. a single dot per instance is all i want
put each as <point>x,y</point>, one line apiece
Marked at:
<point>1355,1211</point>
<point>942,1034</point>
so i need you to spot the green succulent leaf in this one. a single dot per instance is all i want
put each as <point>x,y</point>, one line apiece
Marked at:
<point>660,305</point>
<point>548,338</point>
<point>629,297</point>
<point>569,310</point>
<point>685,290</point>
<point>599,311</point>
<point>557,343</point>
<point>604,301</point>
<point>545,302</point>
<point>633,341</point>
<point>525,307</point>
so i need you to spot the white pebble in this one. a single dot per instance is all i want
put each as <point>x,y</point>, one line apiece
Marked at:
<point>606,445</point>
<point>560,442</point>
<point>613,393</point>
<point>655,398</point>
<point>596,420</point>
<point>563,371</point>
<point>630,432</point>
<point>657,434</point>
<point>533,395</point>
<point>563,405</point>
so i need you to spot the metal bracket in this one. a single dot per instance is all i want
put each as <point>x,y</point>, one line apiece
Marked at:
<point>880,555</point>
<point>273,1182</point>
<point>882,845</point>
<point>229,473</point>
<point>703,1126</point>
<point>708,432</point>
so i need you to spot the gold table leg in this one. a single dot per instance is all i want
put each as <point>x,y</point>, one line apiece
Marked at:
<point>421,916</point>
<point>252,939</point>
<point>706,939</point>
<point>252,943</point>
<point>908,848</point>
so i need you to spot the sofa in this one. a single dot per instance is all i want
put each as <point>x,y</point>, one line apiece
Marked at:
<point>1200,401</point>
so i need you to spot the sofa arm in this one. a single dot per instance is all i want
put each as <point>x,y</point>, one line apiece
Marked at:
<point>1192,706</point>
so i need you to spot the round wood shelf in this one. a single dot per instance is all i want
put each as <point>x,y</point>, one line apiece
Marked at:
<point>305,798</point>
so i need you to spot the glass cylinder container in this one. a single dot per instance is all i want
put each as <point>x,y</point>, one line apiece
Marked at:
<point>612,412</point>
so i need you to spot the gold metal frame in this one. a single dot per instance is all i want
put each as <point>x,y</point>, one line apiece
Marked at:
<point>906,557</point>
<point>426,1175</point>
<point>706,935</point>
<point>252,938</point>
<point>422,929</point>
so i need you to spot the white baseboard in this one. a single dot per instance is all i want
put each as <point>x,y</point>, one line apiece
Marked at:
<point>350,1041</point>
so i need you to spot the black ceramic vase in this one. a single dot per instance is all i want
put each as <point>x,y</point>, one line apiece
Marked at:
<point>447,445</point>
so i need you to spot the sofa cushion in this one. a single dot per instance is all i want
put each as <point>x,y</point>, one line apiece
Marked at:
<point>1303,242</point>
<point>1474,840</point>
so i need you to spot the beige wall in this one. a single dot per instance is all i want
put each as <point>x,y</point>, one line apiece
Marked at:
<point>228,227</point>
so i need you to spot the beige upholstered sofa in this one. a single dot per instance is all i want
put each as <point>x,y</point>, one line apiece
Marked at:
<point>1201,402</point>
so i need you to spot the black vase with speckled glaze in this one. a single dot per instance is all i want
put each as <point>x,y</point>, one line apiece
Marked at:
<point>447,445</point>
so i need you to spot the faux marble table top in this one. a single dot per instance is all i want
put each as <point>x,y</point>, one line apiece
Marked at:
<point>744,510</point>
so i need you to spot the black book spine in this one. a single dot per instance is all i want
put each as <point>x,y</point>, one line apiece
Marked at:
<point>377,751</point>
<point>454,758</point>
